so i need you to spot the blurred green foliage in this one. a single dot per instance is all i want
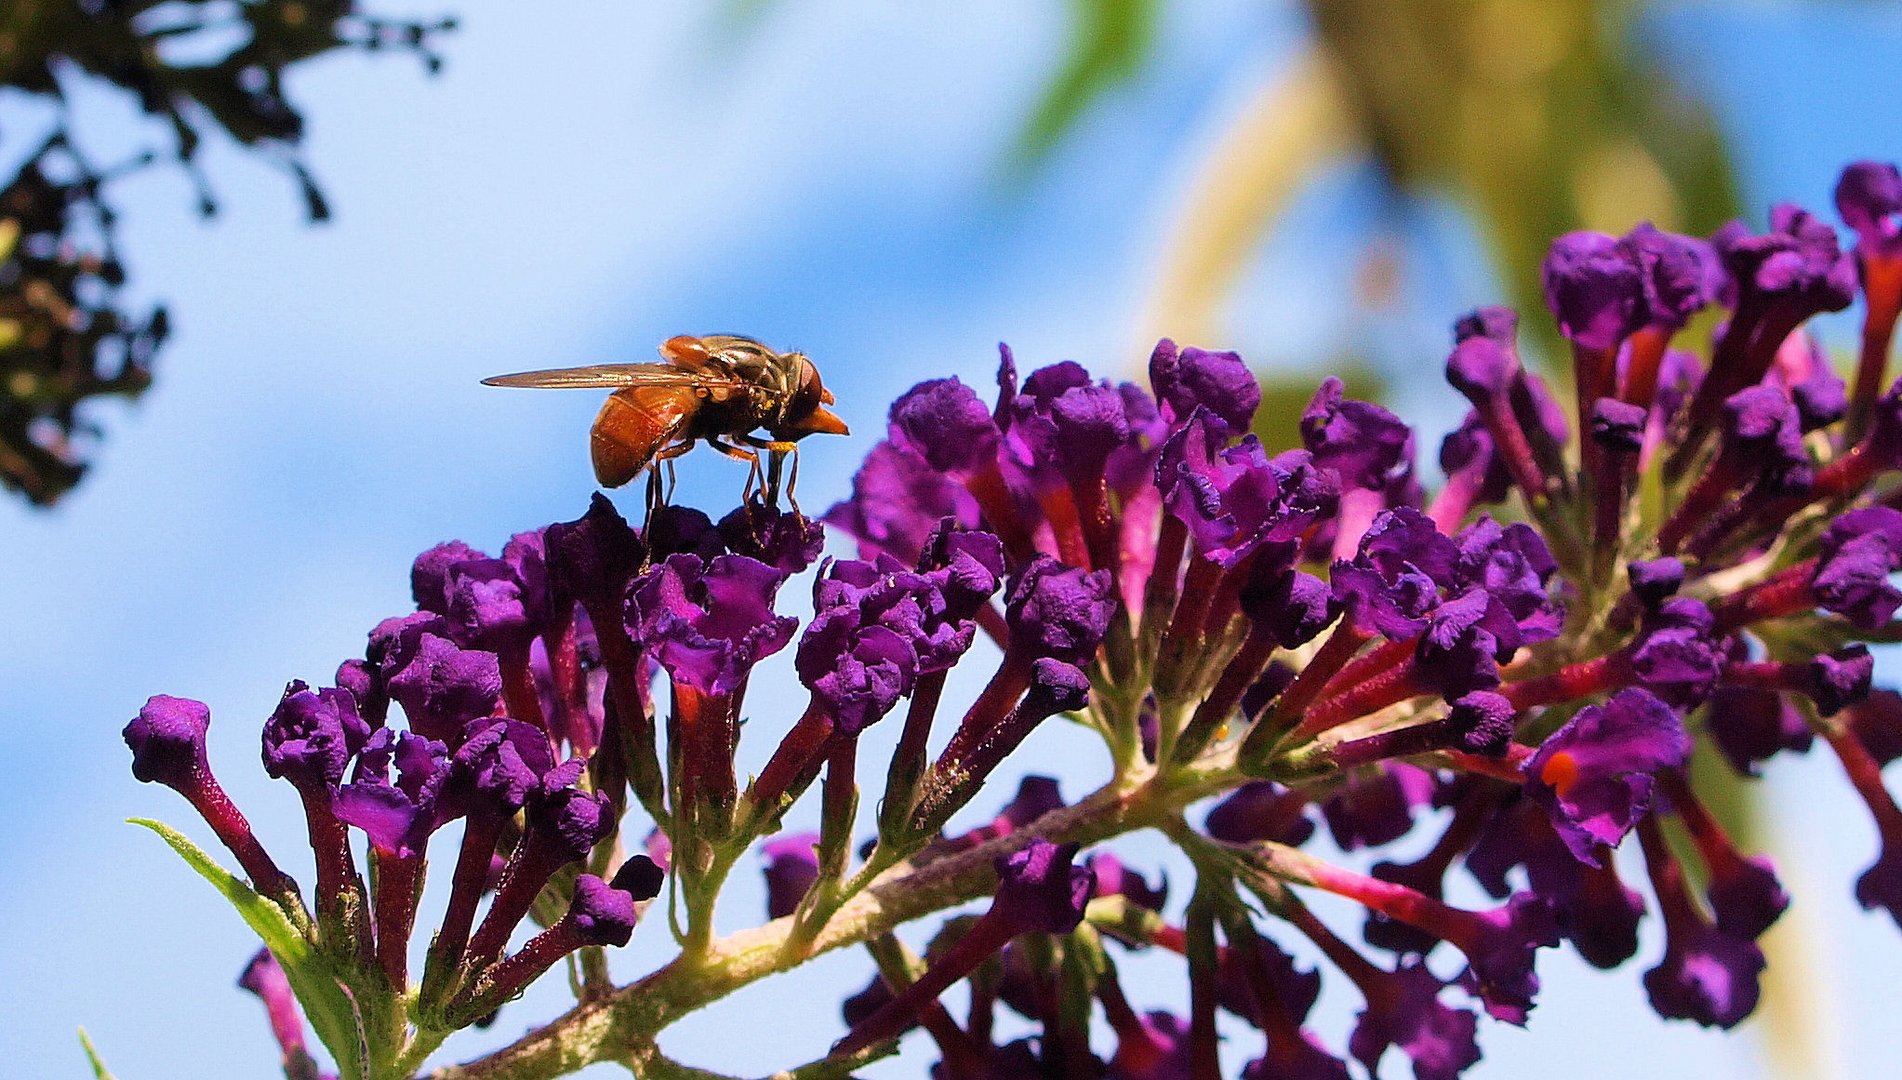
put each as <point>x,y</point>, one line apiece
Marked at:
<point>1537,116</point>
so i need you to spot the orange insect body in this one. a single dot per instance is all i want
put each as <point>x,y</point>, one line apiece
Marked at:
<point>717,389</point>
<point>632,427</point>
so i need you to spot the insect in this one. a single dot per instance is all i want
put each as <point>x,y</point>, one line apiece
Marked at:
<point>717,389</point>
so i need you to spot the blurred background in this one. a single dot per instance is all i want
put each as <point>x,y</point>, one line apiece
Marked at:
<point>890,188</point>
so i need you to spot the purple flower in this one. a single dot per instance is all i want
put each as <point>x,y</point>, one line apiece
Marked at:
<point>785,540</point>
<point>1880,886</point>
<point>897,500</point>
<point>1841,678</point>
<point>603,914</point>
<point>1465,641</point>
<point>1307,1060</point>
<point>1483,722</point>
<point>397,817</point>
<point>489,605</point>
<point>1679,275</point>
<point>600,913</point>
<point>167,739</point>
<point>441,685</point>
<point>1115,879</point>
<point>1803,367</point>
<point>1395,578</point>
<point>1707,976</point>
<point>429,574</point>
<point>1512,564</point>
<point>264,977</point>
<point>563,823</point>
<point>1499,946</point>
<point>1855,557</point>
<point>1059,611</point>
<point>792,865</point>
<point>312,735</point>
<point>1745,896</point>
<point>1364,444</point>
<point>1594,288</point>
<point>1217,381</point>
<point>1036,796</point>
<point>1235,500</point>
<point>964,568</point>
<point>365,684</point>
<point>1594,775</point>
<point>1261,810</point>
<point>859,654</point>
<point>1038,889</point>
<point>1763,437</point>
<point>1618,425</point>
<point>709,622</point>
<point>943,422</point>
<point>1595,909</point>
<point>1876,722</point>
<point>1497,322</point>
<point>1404,1010</point>
<point>1064,421</point>
<point>1750,726</point>
<point>1291,606</point>
<point>592,557</point>
<point>1484,367</point>
<point>1655,580</point>
<point>1677,655</point>
<point>1869,197</point>
<point>1158,1049</point>
<point>1469,459</point>
<point>1797,263</point>
<point>1375,806</point>
<point>499,762</point>
<point>681,530</point>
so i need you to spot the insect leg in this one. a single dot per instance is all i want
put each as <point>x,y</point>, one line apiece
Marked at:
<point>654,498</point>
<point>777,451</point>
<point>753,475</point>
<point>657,495</point>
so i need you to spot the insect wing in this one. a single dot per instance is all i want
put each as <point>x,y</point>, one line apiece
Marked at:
<point>613,376</point>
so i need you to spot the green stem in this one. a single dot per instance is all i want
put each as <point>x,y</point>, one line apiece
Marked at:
<point>633,1015</point>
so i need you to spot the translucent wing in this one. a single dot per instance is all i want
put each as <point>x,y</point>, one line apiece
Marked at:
<point>616,376</point>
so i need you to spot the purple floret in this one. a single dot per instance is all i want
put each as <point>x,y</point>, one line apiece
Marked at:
<point>1595,774</point>
<point>792,865</point>
<point>1059,611</point>
<point>1706,976</point>
<point>1594,288</point>
<point>943,422</point>
<point>1220,382</point>
<point>312,735</point>
<point>1869,197</point>
<point>1039,890</point>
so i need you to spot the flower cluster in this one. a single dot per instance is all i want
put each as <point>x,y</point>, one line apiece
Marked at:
<point>1517,665</point>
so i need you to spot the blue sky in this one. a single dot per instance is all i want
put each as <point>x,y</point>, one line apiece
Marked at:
<point>581,183</point>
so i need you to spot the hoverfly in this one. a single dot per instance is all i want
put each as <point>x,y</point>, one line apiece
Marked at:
<point>716,389</point>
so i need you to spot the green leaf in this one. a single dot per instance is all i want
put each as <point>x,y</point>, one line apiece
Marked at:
<point>98,1067</point>
<point>265,918</point>
<point>1109,39</point>
<point>328,1003</point>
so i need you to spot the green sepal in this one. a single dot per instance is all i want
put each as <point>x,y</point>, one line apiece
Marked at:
<point>330,1007</point>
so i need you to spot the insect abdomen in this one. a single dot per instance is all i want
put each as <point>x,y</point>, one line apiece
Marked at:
<point>634,424</point>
